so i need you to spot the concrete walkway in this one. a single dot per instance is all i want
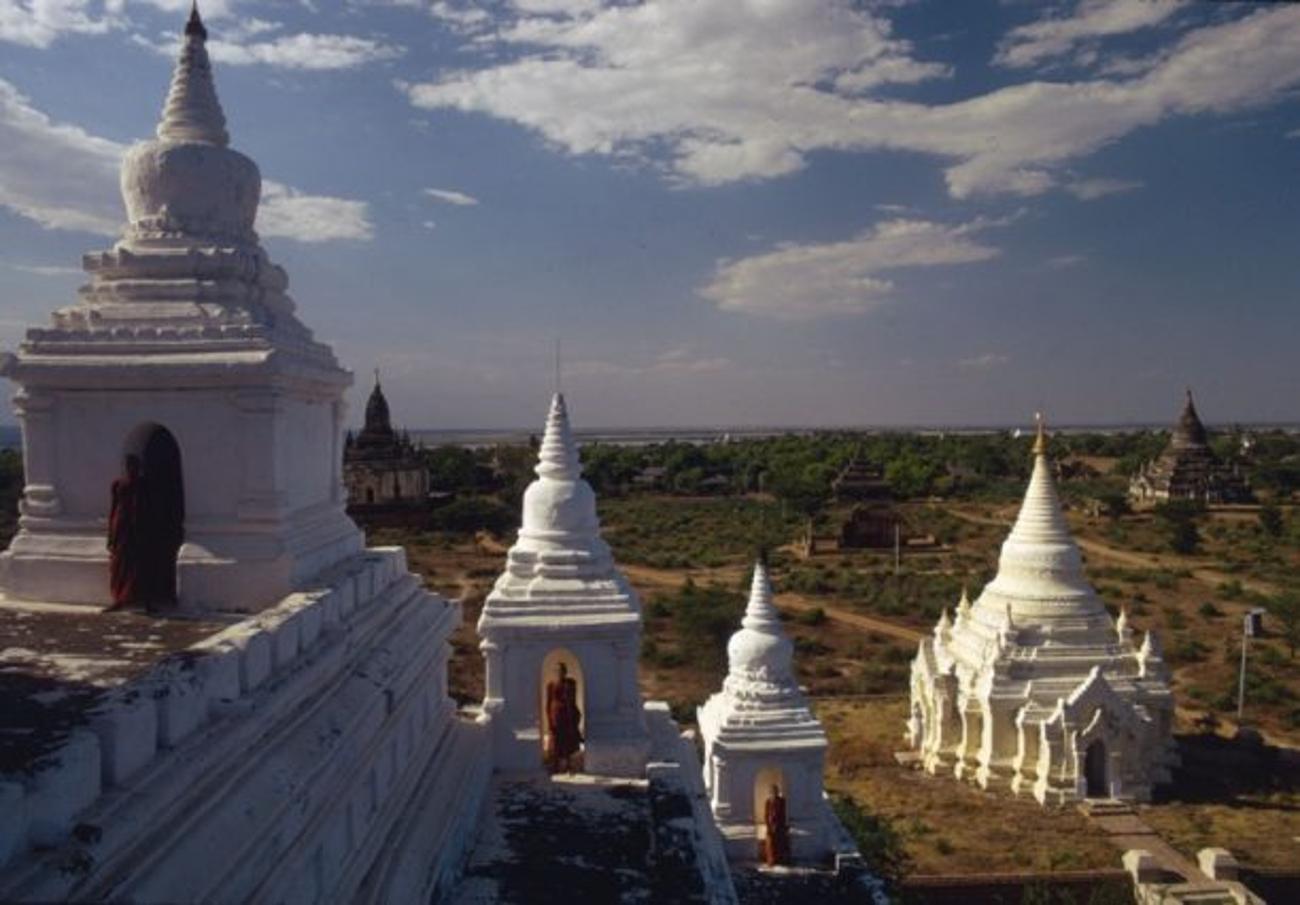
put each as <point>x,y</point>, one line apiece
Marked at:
<point>1128,831</point>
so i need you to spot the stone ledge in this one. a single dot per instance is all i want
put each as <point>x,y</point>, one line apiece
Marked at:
<point>158,709</point>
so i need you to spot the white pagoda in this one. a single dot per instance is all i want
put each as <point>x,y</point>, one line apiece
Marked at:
<point>1035,687</point>
<point>183,349</point>
<point>759,732</point>
<point>562,600</point>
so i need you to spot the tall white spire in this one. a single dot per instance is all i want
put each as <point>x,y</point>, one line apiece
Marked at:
<point>1040,559</point>
<point>558,457</point>
<point>192,113</point>
<point>760,613</point>
<point>1041,520</point>
<point>760,649</point>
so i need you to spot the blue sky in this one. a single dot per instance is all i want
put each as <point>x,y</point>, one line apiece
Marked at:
<point>728,211</point>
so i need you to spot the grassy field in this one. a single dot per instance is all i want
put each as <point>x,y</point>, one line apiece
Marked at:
<point>689,559</point>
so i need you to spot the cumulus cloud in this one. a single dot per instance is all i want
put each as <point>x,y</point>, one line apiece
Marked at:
<point>60,176</point>
<point>801,281</point>
<point>719,91</point>
<point>290,214</point>
<point>304,51</point>
<point>39,23</point>
<point>1092,189</point>
<point>449,196</point>
<point>1057,35</point>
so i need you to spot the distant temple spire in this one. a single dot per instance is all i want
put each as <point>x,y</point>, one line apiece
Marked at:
<point>192,113</point>
<point>1040,440</point>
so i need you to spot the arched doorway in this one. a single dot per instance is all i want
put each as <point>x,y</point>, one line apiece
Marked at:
<point>548,689</point>
<point>1094,770</point>
<point>766,780</point>
<point>162,524</point>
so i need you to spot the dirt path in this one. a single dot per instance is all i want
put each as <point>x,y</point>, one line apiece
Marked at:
<point>730,575</point>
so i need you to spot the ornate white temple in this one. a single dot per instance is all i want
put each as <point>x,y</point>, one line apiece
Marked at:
<point>759,732</point>
<point>184,341</point>
<point>562,600</point>
<point>306,752</point>
<point>1035,687</point>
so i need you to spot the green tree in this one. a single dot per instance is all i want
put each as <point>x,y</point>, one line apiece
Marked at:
<point>1285,608</point>
<point>1270,519</point>
<point>879,841</point>
<point>1114,505</point>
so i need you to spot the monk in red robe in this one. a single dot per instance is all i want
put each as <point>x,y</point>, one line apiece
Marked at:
<point>776,845</point>
<point>563,720</point>
<point>125,536</point>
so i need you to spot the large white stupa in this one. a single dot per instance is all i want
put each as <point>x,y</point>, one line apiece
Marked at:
<point>562,600</point>
<point>759,732</point>
<point>184,345</point>
<point>1035,687</point>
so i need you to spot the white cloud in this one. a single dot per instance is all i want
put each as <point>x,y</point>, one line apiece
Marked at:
<point>62,177</point>
<point>303,51</point>
<point>1294,133</point>
<point>983,362</point>
<point>39,23</point>
<point>719,91</point>
<point>1060,262</point>
<point>449,196</point>
<point>794,281</point>
<point>1092,189</point>
<point>290,214</point>
<point>46,270</point>
<point>1056,35</point>
<point>309,52</point>
<point>676,362</point>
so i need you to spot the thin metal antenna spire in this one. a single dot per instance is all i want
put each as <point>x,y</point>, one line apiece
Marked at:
<point>557,365</point>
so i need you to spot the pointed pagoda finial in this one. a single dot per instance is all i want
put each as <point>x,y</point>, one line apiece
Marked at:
<point>963,605</point>
<point>760,612</point>
<point>1040,441</point>
<point>195,26</point>
<point>192,113</point>
<point>376,378</point>
<point>557,457</point>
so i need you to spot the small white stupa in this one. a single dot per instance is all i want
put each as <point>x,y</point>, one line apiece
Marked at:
<point>1035,687</point>
<point>562,600</point>
<point>759,732</point>
<point>184,349</point>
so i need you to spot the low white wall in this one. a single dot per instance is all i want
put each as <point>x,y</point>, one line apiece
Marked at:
<point>273,762</point>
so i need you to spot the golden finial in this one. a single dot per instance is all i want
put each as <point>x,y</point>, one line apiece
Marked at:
<point>1040,442</point>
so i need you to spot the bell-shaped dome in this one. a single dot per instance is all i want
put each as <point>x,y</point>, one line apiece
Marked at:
<point>559,501</point>
<point>761,649</point>
<point>1040,560</point>
<point>187,182</point>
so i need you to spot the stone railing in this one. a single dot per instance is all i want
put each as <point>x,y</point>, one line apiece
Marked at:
<point>134,724</point>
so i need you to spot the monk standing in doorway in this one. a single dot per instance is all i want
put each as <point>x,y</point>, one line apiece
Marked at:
<point>563,720</point>
<point>776,846</point>
<point>125,536</point>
